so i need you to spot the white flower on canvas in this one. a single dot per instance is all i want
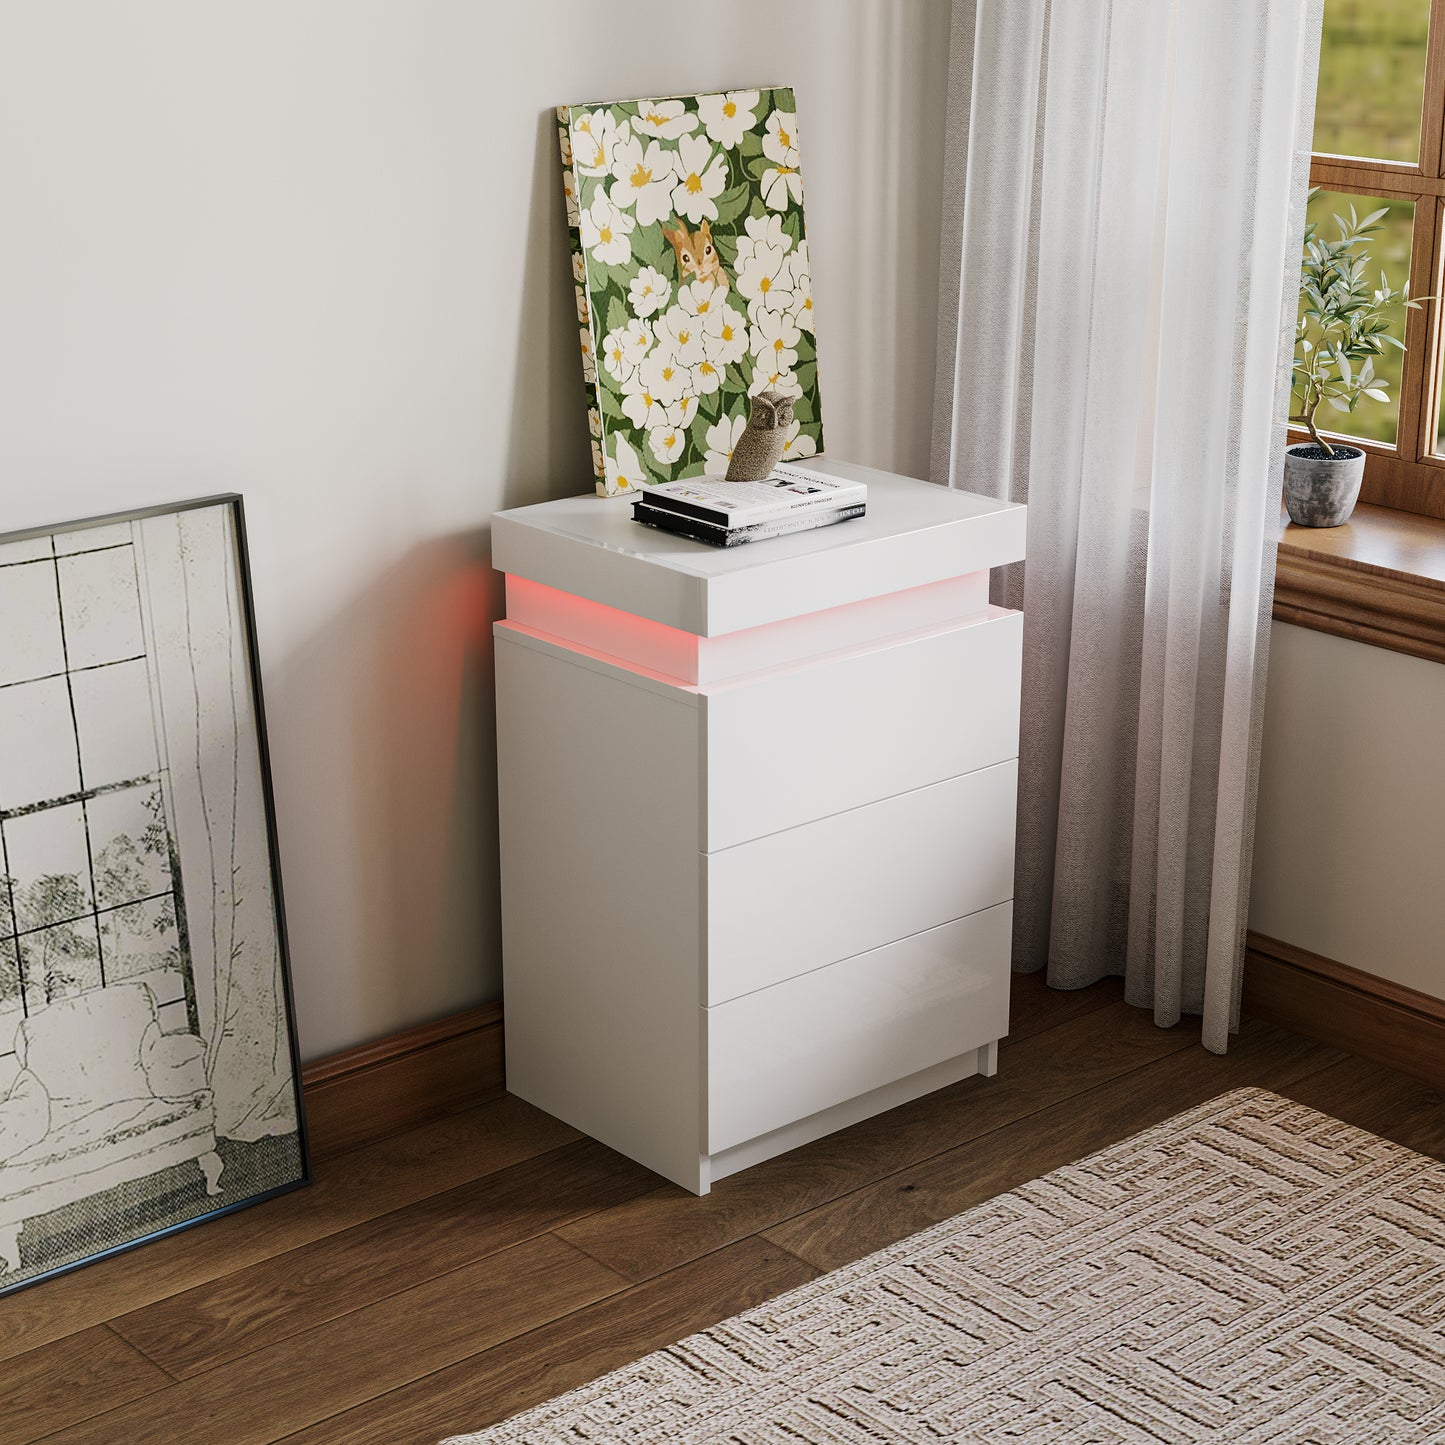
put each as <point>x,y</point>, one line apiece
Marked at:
<point>565,135</point>
<point>772,339</point>
<point>637,339</point>
<point>594,421</point>
<point>593,136</point>
<point>667,443</point>
<point>682,411</point>
<point>800,283</point>
<point>569,193</point>
<point>725,335</point>
<point>616,357</point>
<point>589,362</point>
<point>780,138</point>
<point>706,378</point>
<point>782,182</point>
<point>605,231</point>
<point>701,298</point>
<point>642,177</point>
<point>763,271</point>
<point>665,119</point>
<point>579,269</point>
<point>639,405</point>
<point>583,310</point>
<point>778,185</point>
<point>798,444</point>
<point>702,176</point>
<point>763,231</point>
<point>728,117</point>
<point>722,437</point>
<point>599,466</point>
<point>649,291</point>
<point>785,383</point>
<point>663,376</point>
<point>624,468</point>
<point>680,336</point>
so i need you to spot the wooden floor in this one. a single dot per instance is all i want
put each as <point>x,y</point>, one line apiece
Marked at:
<point>443,1278</point>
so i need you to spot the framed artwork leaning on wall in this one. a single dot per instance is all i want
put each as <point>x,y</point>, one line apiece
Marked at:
<point>148,1068</point>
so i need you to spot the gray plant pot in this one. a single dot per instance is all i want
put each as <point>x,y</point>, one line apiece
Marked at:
<point>1321,490</point>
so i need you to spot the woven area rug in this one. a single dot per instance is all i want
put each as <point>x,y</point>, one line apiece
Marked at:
<point>1248,1271</point>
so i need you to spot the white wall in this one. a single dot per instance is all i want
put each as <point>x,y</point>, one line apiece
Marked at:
<point>313,251</point>
<point>1350,850</point>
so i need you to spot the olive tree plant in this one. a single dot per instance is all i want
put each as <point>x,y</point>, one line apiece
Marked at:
<point>1343,324</point>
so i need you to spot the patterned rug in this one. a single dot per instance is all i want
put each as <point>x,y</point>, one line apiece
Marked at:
<point>1248,1271</point>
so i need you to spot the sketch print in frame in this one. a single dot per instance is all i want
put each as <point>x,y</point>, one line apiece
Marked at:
<point>148,1071</point>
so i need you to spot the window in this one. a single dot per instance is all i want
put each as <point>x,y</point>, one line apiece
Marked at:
<point>1379,142</point>
<point>87,882</point>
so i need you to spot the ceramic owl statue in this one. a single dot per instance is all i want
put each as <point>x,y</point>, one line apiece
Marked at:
<point>760,448</point>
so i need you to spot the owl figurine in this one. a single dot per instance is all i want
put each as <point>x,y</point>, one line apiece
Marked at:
<point>760,448</point>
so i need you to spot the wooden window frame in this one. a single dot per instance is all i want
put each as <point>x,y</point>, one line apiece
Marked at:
<point>1408,476</point>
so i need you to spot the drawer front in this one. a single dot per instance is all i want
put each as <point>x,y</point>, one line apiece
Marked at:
<point>811,741</point>
<point>783,1053</point>
<point>794,901</point>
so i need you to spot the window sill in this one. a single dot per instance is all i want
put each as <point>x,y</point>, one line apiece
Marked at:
<point>1378,579</point>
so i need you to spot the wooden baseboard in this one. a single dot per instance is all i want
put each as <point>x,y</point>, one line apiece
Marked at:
<point>403,1080</point>
<point>1340,1005</point>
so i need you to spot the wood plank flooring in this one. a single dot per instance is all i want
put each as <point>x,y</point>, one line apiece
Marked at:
<point>447,1276</point>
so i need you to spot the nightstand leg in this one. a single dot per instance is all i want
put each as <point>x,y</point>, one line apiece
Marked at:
<point>988,1060</point>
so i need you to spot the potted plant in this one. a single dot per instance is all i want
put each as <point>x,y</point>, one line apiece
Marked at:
<point>1342,328</point>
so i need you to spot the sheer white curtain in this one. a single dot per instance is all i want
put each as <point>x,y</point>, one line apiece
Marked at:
<point>1123,220</point>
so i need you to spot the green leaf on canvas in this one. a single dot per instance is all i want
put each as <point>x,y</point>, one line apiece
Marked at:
<point>732,203</point>
<point>648,245</point>
<point>620,278</point>
<point>617,313</point>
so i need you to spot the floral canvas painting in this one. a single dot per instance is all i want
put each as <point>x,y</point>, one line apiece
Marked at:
<point>690,259</point>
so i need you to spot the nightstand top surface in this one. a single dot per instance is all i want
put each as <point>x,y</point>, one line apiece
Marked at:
<point>913,533</point>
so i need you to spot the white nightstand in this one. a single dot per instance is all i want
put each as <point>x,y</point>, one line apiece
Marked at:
<point>757,819</point>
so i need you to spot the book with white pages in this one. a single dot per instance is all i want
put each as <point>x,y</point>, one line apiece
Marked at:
<point>788,491</point>
<point>715,536</point>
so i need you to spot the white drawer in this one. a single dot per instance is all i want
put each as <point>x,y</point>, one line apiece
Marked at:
<point>807,742</point>
<point>783,1053</point>
<point>794,901</point>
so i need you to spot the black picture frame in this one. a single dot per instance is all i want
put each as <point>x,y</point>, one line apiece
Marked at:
<point>271,1154</point>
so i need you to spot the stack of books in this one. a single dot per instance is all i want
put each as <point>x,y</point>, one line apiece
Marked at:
<point>727,514</point>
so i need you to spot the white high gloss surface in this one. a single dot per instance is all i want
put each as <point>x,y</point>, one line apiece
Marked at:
<point>814,1041</point>
<point>914,533</point>
<point>753,904</point>
<point>863,878</point>
<point>799,743</point>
